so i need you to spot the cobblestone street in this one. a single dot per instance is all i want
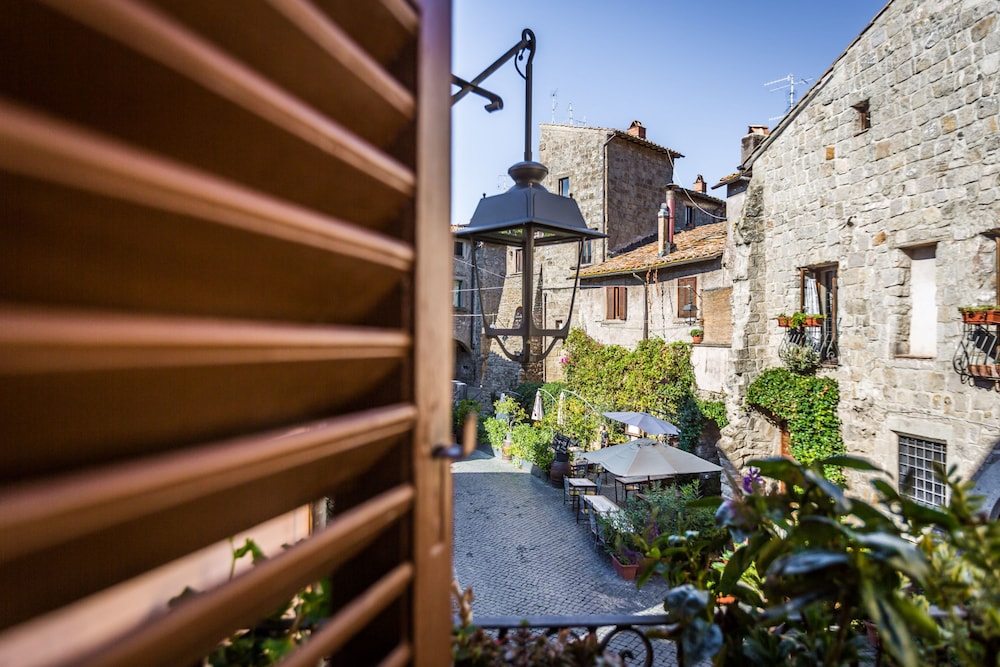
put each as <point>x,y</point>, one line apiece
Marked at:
<point>523,553</point>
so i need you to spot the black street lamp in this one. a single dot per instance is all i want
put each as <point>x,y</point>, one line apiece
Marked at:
<point>525,217</point>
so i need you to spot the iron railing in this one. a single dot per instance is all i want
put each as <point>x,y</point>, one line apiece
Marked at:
<point>619,633</point>
<point>822,339</point>
<point>978,354</point>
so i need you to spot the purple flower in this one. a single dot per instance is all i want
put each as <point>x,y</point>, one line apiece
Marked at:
<point>752,481</point>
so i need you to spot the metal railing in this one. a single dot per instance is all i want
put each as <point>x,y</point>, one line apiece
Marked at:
<point>619,633</point>
<point>821,339</point>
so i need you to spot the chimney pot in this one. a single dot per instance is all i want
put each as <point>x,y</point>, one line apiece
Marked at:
<point>699,184</point>
<point>637,130</point>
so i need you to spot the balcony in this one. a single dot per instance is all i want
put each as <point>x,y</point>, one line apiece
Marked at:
<point>977,358</point>
<point>820,335</point>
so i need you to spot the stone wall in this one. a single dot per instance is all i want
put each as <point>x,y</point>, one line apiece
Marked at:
<point>826,190</point>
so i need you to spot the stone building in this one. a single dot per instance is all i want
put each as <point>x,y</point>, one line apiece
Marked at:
<point>875,201</point>
<point>470,302</point>
<point>617,178</point>
<point>668,287</point>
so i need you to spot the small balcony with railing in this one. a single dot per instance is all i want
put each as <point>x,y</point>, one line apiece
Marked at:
<point>977,358</point>
<point>808,339</point>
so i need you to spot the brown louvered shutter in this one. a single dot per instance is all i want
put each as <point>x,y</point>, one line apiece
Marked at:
<point>216,318</point>
<point>622,302</point>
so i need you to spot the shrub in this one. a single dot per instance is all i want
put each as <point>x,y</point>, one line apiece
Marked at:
<point>533,443</point>
<point>810,565</point>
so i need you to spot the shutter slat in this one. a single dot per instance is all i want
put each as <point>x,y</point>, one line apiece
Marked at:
<point>151,33</point>
<point>188,519</point>
<point>239,603</point>
<point>342,48</point>
<point>36,516</point>
<point>44,341</point>
<point>37,146</point>
<point>353,617</point>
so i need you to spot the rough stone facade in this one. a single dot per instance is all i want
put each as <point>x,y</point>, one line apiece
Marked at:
<point>896,148</point>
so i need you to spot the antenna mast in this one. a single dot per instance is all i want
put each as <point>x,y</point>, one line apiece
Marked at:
<point>789,83</point>
<point>554,104</point>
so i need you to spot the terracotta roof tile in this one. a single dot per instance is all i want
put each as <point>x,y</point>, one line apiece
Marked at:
<point>701,243</point>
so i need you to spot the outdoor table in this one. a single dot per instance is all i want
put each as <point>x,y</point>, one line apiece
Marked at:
<point>601,504</point>
<point>583,487</point>
<point>637,481</point>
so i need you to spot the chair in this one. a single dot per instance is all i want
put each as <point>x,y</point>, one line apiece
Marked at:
<point>571,492</point>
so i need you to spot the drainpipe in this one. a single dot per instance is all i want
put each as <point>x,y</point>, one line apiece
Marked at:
<point>604,194</point>
<point>645,307</point>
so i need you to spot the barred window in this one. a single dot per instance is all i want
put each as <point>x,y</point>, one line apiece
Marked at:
<point>917,478</point>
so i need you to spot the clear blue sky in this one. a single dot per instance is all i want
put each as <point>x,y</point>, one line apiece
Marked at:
<point>692,72</point>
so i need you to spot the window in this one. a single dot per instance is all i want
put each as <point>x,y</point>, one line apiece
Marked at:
<point>518,260</point>
<point>923,302</point>
<point>917,477</point>
<point>459,248</point>
<point>687,298</point>
<point>616,302</point>
<point>689,217</point>
<point>587,252</point>
<point>864,116</point>
<point>818,296</point>
<point>564,186</point>
<point>458,294</point>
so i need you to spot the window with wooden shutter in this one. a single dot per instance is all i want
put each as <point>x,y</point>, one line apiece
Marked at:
<point>215,317</point>
<point>687,297</point>
<point>616,302</point>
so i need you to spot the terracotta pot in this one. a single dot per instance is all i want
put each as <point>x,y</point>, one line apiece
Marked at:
<point>993,316</point>
<point>696,339</point>
<point>814,321</point>
<point>783,322</point>
<point>975,316</point>
<point>626,572</point>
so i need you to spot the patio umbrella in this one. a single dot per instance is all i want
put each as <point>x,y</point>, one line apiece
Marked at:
<point>647,422</point>
<point>536,411</point>
<point>646,457</point>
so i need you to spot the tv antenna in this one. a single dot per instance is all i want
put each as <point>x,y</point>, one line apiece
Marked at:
<point>788,82</point>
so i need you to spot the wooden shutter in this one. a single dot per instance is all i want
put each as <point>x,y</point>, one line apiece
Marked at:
<point>687,293</point>
<point>622,299</point>
<point>214,310</point>
<point>615,302</point>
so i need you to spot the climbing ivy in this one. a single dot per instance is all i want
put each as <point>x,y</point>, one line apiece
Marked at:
<point>807,405</point>
<point>656,377</point>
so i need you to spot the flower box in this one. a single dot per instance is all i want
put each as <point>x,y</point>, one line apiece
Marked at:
<point>783,322</point>
<point>991,371</point>
<point>814,320</point>
<point>626,571</point>
<point>980,315</point>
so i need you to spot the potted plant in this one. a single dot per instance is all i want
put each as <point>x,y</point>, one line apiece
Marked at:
<point>783,320</point>
<point>697,335</point>
<point>797,320</point>
<point>814,319</point>
<point>801,359</point>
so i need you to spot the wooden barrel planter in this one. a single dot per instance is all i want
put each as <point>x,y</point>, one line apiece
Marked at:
<point>559,469</point>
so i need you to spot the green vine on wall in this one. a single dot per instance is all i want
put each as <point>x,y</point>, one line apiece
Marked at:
<point>807,406</point>
<point>656,377</point>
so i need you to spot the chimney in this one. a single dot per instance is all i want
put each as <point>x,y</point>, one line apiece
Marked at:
<point>665,224</point>
<point>755,136</point>
<point>699,184</point>
<point>637,130</point>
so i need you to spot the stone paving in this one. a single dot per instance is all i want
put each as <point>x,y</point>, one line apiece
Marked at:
<point>523,553</point>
